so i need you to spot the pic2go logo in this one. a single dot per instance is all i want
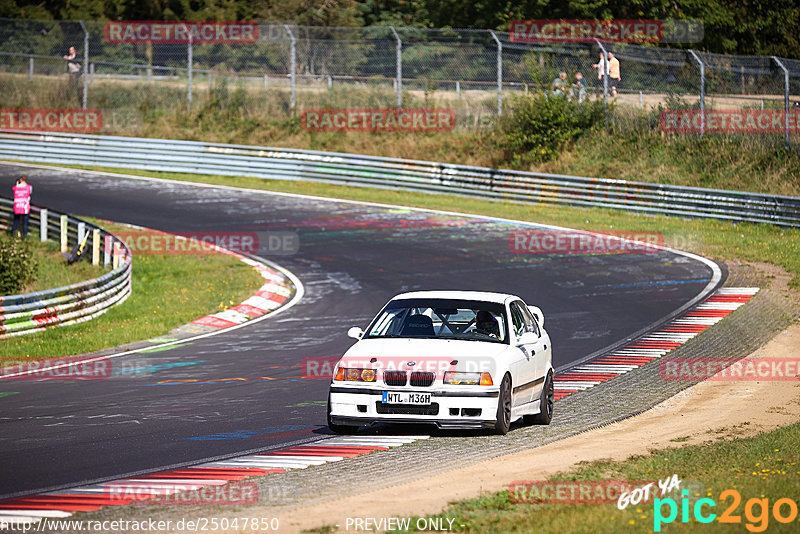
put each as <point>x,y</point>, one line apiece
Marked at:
<point>756,511</point>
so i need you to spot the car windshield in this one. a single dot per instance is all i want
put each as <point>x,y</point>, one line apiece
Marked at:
<point>441,318</point>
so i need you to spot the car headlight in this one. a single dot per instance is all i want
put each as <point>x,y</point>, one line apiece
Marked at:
<point>353,374</point>
<point>468,379</point>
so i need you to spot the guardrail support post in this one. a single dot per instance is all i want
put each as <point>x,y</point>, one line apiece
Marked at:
<point>785,99</point>
<point>64,235</point>
<point>43,225</point>
<point>292,65</point>
<point>107,243</point>
<point>81,231</point>
<point>399,69</point>
<point>95,247</point>
<point>702,92</point>
<point>85,63</point>
<point>499,73</point>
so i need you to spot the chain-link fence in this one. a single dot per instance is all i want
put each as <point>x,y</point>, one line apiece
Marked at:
<point>288,69</point>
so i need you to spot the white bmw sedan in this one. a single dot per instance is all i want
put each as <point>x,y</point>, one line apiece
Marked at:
<point>456,359</point>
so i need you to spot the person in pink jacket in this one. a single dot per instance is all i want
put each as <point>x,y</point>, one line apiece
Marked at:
<point>22,205</point>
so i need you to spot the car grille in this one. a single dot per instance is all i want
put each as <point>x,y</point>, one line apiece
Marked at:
<point>395,378</point>
<point>422,378</point>
<point>406,409</point>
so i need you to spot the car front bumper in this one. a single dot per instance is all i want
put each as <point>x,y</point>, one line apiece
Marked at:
<point>359,406</point>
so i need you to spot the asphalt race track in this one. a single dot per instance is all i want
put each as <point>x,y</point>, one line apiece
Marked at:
<point>352,259</point>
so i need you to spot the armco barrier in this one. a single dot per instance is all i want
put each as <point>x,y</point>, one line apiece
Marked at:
<point>33,312</point>
<point>347,169</point>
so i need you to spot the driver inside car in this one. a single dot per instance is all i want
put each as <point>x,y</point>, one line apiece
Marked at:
<point>486,324</point>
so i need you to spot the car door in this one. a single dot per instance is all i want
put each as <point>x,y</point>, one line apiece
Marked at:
<point>525,375</point>
<point>543,351</point>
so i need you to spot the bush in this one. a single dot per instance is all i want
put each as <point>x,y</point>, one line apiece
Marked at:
<point>17,265</point>
<point>540,126</point>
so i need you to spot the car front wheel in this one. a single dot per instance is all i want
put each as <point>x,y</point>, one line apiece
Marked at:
<point>503,422</point>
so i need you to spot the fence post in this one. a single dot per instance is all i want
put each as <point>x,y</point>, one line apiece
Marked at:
<point>605,68</point>
<point>108,242</point>
<point>785,99</point>
<point>189,70</point>
<point>30,68</point>
<point>499,73</point>
<point>702,92</point>
<point>399,63</point>
<point>64,235</point>
<point>85,63</point>
<point>292,64</point>
<point>43,225</point>
<point>95,247</point>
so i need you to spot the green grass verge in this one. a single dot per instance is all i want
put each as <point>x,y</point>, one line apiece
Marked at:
<point>765,466</point>
<point>716,239</point>
<point>53,270</point>
<point>168,291</point>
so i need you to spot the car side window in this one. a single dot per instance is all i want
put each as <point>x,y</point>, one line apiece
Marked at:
<point>517,320</point>
<point>530,319</point>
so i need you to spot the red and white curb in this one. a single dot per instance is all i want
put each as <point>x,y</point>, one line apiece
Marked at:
<point>276,289</point>
<point>61,504</point>
<point>655,344</point>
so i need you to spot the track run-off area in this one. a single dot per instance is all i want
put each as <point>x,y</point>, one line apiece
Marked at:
<point>243,391</point>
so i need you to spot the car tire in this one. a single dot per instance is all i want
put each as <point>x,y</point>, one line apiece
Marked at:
<point>503,421</point>
<point>546,401</point>
<point>336,428</point>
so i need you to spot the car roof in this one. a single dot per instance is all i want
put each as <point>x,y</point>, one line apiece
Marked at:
<point>484,296</point>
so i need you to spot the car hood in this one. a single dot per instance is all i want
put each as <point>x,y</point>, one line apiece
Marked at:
<point>426,354</point>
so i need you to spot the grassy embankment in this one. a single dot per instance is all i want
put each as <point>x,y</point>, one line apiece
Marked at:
<point>762,468</point>
<point>168,291</point>
<point>245,113</point>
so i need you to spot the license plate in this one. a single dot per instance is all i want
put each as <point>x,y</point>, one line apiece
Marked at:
<point>401,397</point>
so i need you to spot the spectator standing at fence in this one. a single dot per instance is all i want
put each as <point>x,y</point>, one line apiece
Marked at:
<point>613,73</point>
<point>602,68</point>
<point>73,65</point>
<point>559,84</point>
<point>22,205</point>
<point>578,88</point>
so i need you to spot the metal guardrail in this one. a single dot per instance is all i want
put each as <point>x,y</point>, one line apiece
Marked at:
<point>33,312</point>
<point>372,171</point>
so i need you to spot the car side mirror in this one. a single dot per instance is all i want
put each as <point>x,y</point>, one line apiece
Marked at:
<point>538,314</point>
<point>526,338</point>
<point>355,333</point>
